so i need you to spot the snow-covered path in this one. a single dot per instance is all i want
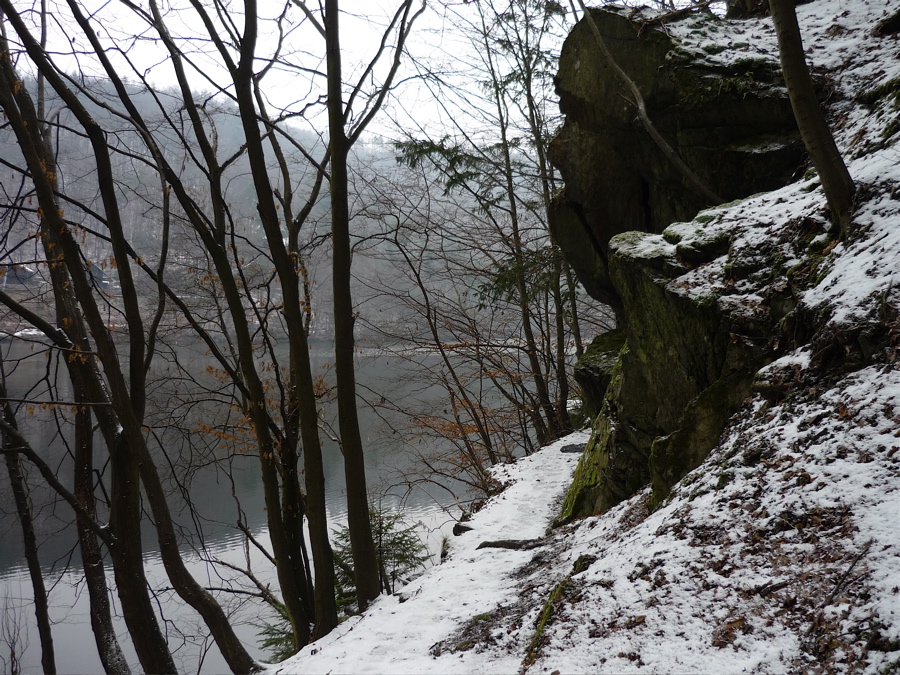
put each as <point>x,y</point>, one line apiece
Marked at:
<point>468,584</point>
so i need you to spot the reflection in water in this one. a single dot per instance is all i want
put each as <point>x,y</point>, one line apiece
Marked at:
<point>222,492</point>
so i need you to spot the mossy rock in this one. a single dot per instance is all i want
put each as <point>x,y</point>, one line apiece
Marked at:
<point>678,342</point>
<point>698,241</point>
<point>581,495</point>
<point>615,461</point>
<point>733,125</point>
<point>890,90</point>
<point>682,371</point>
<point>677,380</point>
<point>608,471</point>
<point>594,369</point>
<point>672,457</point>
<point>557,597</point>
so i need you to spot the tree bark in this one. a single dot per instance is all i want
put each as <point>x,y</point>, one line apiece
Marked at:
<point>572,294</point>
<point>562,375</point>
<point>300,410</point>
<point>111,656</point>
<point>29,541</point>
<point>362,545</point>
<point>836,181</point>
<point>68,281</point>
<point>234,652</point>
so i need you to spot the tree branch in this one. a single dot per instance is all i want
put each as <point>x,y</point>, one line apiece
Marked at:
<point>24,448</point>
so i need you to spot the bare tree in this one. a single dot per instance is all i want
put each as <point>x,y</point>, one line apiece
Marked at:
<point>496,163</point>
<point>64,264</point>
<point>836,180</point>
<point>11,637</point>
<point>440,311</point>
<point>250,270</point>
<point>23,510</point>
<point>341,139</point>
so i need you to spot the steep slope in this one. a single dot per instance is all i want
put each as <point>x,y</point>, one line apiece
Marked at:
<point>781,550</point>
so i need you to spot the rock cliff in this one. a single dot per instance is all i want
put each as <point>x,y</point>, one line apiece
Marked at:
<point>703,303</point>
<point>778,553</point>
<point>730,121</point>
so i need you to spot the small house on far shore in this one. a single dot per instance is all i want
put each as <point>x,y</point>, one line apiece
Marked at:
<point>16,273</point>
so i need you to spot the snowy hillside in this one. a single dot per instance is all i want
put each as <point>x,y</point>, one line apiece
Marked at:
<point>782,551</point>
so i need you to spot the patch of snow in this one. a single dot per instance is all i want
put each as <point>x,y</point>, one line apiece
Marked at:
<point>799,359</point>
<point>396,638</point>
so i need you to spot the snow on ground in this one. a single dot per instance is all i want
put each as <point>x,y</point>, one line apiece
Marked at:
<point>791,525</point>
<point>781,553</point>
<point>397,633</point>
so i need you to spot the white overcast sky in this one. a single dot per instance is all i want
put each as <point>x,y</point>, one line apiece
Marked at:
<point>291,86</point>
<point>362,26</point>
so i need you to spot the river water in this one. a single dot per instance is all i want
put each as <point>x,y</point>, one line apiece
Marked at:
<point>221,492</point>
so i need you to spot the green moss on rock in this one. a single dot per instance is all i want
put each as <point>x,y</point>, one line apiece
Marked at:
<point>678,378</point>
<point>889,90</point>
<point>674,456</point>
<point>548,611</point>
<point>581,495</point>
<point>689,355</point>
<point>593,372</point>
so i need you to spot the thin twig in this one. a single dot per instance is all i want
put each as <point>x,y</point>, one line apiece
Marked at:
<point>838,586</point>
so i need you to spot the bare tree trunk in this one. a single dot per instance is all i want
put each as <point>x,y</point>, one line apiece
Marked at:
<point>108,648</point>
<point>149,642</point>
<point>301,419</point>
<point>314,468</point>
<point>29,540</point>
<point>562,375</point>
<point>836,181</point>
<point>539,136</point>
<point>277,458</point>
<point>362,546</point>
<point>572,293</point>
<point>237,657</point>
<point>14,467</point>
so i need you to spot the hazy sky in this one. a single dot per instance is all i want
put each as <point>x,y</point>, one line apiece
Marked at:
<point>293,83</point>
<point>297,82</point>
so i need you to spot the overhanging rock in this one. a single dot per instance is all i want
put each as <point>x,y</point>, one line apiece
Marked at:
<point>729,120</point>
